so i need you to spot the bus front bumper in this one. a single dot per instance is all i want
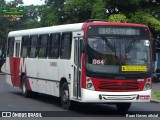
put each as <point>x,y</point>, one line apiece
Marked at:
<point>114,97</point>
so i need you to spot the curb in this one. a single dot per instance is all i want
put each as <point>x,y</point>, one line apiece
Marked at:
<point>155,101</point>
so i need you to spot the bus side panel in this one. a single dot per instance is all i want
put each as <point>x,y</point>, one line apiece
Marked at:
<point>30,67</point>
<point>6,70</point>
<point>64,71</point>
<point>47,70</point>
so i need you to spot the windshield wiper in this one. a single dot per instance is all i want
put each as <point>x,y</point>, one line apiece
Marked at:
<point>109,44</point>
<point>131,45</point>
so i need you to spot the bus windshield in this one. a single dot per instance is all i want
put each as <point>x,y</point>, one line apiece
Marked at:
<point>107,53</point>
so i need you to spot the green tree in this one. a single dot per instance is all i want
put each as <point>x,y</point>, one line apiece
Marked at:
<point>49,16</point>
<point>5,25</point>
<point>98,10</point>
<point>117,18</point>
<point>56,12</point>
<point>137,11</point>
<point>80,10</point>
<point>148,19</point>
<point>30,18</point>
<point>52,12</point>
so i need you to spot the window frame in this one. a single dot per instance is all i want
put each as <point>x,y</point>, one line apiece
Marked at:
<point>70,45</point>
<point>53,45</point>
<point>8,47</point>
<point>32,46</point>
<point>27,45</point>
<point>39,45</point>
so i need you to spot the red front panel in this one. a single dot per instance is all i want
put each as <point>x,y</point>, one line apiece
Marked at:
<point>110,85</point>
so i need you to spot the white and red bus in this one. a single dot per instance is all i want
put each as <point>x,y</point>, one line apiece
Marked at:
<point>91,62</point>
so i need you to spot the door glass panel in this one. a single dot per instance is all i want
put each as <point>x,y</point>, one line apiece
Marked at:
<point>17,49</point>
<point>77,68</point>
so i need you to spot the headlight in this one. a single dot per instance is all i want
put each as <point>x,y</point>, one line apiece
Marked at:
<point>89,84</point>
<point>147,84</point>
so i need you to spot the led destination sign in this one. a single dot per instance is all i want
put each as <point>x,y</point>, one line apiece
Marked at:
<point>118,31</point>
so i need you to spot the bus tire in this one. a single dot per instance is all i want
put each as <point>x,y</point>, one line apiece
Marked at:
<point>25,92</point>
<point>123,106</point>
<point>65,100</point>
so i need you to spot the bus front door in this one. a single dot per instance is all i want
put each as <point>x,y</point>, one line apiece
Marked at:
<point>15,63</point>
<point>77,68</point>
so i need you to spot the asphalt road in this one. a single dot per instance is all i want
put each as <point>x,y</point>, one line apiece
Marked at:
<point>12,100</point>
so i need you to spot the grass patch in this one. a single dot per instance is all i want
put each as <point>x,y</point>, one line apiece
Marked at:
<point>156,95</point>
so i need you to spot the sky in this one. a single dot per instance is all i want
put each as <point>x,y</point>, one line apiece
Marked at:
<point>30,2</point>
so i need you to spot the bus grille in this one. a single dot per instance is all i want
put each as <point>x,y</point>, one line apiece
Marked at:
<point>118,85</point>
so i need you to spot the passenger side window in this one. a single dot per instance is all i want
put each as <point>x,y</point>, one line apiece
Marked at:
<point>33,46</point>
<point>42,46</point>
<point>54,45</point>
<point>10,47</point>
<point>66,42</point>
<point>24,48</point>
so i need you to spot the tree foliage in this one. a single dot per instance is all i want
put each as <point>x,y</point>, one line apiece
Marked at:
<point>29,19</point>
<point>55,12</point>
<point>50,16</point>
<point>98,9</point>
<point>146,18</point>
<point>77,10</point>
<point>117,18</point>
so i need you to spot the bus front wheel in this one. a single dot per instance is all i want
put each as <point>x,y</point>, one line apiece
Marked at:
<point>65,100</point>
<point>123,106</point>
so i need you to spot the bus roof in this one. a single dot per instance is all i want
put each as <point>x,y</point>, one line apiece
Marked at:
<point>67,28</point>
<point>113,24</point>
<point>45,30</point>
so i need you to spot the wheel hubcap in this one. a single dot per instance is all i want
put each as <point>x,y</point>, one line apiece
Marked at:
<point>24,88</point>
<point>65,96</point>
